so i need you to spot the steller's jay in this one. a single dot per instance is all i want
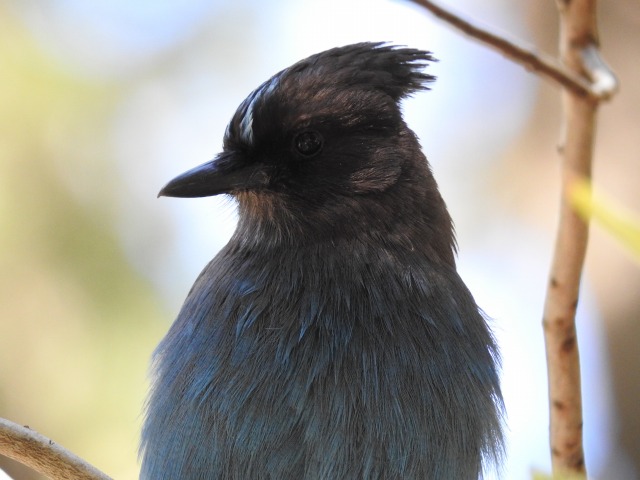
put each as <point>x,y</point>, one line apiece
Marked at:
<point>332,337</point>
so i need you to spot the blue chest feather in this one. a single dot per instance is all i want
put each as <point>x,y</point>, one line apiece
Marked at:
<point>347,368</point>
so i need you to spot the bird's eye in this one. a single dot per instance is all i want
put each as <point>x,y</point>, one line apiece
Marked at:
<point>308,143</point>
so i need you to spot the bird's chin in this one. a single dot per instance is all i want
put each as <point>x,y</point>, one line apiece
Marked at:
<point>259,203</point>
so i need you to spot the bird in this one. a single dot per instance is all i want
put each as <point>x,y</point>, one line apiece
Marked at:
<point>332,337</point>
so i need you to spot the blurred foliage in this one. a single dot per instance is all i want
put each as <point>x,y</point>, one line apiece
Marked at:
<point>620,223</point>
<point>77,323</point>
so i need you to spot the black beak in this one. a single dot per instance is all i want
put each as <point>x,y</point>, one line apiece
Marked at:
<point>224,174</point>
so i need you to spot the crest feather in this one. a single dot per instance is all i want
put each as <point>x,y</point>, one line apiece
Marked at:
<point>395,70</point>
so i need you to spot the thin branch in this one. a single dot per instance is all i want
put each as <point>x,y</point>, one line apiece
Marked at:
<point>531,60</point>
<point>578,41</point>
<point>43,455</point>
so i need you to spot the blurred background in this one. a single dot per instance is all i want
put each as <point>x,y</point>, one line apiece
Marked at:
<point>103,102</point>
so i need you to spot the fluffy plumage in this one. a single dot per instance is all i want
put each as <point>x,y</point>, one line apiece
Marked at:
<point>331,338</point>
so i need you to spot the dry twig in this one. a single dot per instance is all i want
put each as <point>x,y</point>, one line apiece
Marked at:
<point>579,51</point>
<point>43,455</point>
<point>531,60</point>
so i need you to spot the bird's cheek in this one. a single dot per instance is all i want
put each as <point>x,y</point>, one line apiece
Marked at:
<point>259,178</point>
<point>374,179</point>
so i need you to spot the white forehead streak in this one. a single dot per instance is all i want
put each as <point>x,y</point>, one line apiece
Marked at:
<point>246,125</point>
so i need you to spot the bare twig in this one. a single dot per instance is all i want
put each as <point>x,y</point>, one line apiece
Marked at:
<point>531,60</point>
<point>578,42</point>
<point>43,455</point>
<point>563,362</point>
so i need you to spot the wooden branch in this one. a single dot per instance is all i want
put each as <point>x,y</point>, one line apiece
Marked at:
<point>531,60</point>
<point>43,455</point>
<point>563,362</point>
<point>578,42</point>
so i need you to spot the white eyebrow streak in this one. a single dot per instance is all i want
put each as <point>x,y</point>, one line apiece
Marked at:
<point>260,93</point>
<point>246,125</point>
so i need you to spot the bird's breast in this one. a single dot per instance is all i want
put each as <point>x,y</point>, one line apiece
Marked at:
<point>319,358</point>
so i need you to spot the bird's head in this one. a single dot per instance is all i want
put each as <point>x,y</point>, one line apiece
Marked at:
<point>322,147</point>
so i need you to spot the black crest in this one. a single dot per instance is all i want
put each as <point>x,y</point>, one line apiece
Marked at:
<point>396,71</point>
<point>370,67</point>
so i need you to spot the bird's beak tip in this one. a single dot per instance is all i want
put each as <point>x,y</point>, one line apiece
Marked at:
<point>193,183</point>
<point>167,190</point>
